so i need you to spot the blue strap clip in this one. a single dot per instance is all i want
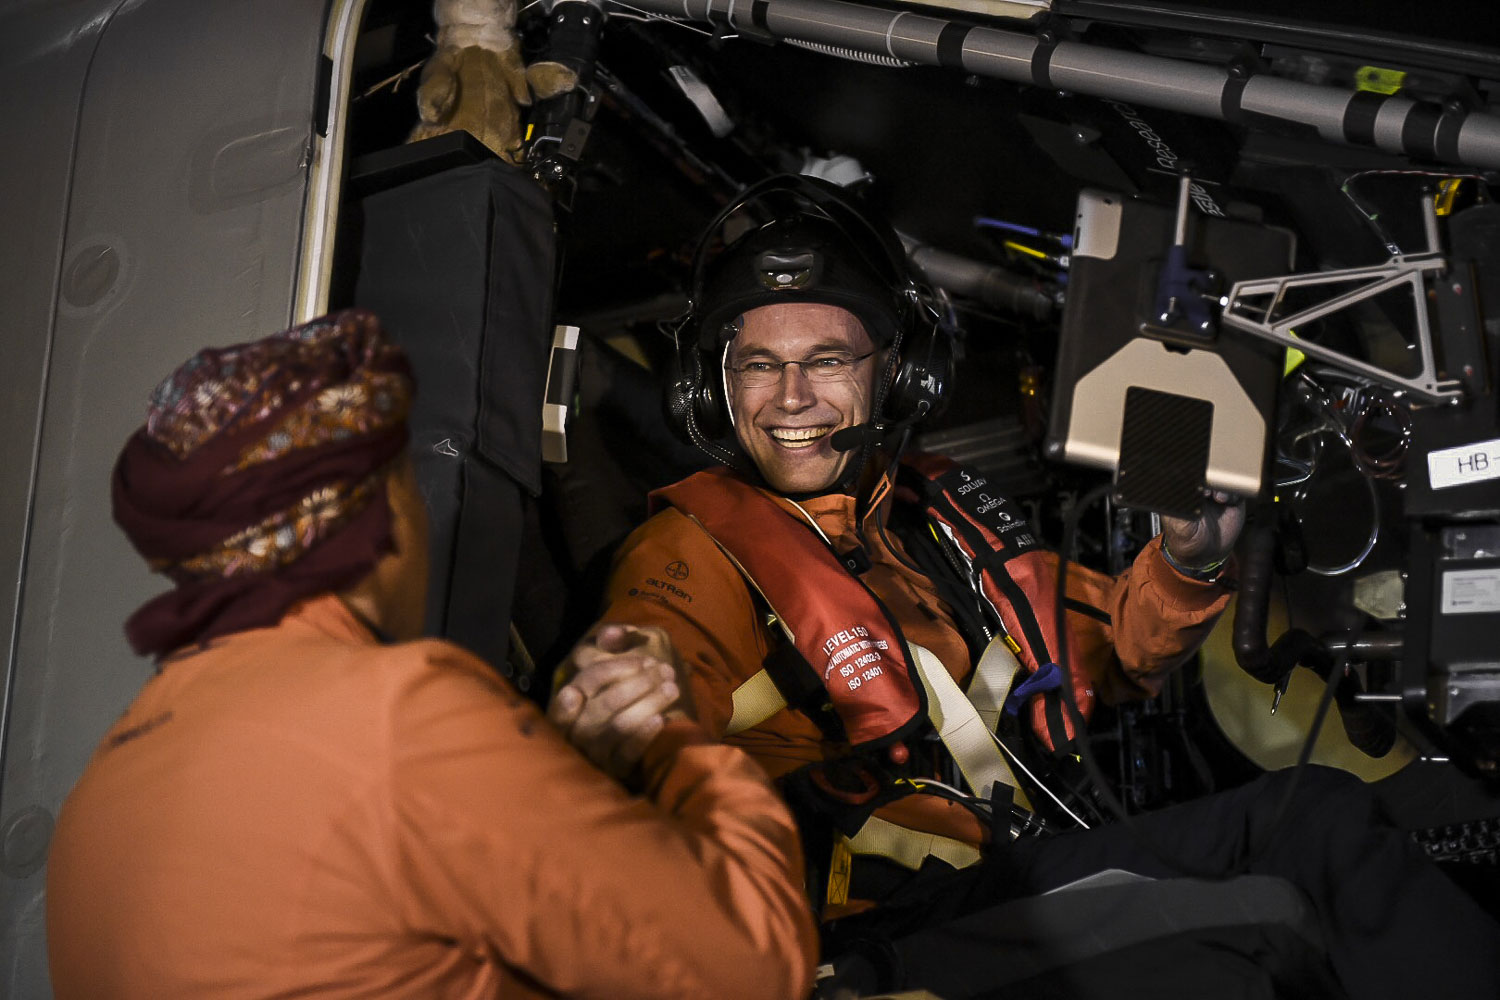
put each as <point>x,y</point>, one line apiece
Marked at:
<point>1048,677</point>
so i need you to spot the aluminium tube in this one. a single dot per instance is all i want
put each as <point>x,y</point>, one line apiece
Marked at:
<point>1392,123</point>
<point>991,284</point>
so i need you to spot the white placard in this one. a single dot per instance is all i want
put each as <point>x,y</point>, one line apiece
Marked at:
<point>1468,463</point>
<point>1471,591</point>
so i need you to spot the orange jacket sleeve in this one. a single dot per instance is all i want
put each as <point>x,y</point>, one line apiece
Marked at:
<point>1156,617</point>
<point>669,573</point>
<point>507,839</point>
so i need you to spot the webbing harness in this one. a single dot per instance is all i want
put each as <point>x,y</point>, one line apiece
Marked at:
<point>810,593</point>
<point>1015,576</point>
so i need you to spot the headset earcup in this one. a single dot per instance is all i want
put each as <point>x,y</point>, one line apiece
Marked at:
<point>924,376</point>
<point>691,400</point>
<point>711,412</point>
<point>677,397</point>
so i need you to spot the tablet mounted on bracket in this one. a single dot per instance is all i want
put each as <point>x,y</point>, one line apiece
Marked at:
<point>1145,386</point>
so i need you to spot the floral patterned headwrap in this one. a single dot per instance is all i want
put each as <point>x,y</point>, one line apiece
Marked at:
<point>258,479</point>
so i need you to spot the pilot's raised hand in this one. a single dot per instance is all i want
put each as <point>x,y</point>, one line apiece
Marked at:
<point>622,684</point>
<point>1198,546</point>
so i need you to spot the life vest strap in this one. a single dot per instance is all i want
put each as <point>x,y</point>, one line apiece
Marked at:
<point>958,724</point>
<point>909,848</point>
<point>755,701</point>
<point>964,722</point>
<point>993,677</point>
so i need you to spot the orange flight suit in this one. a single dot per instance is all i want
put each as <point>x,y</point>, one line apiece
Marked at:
<point>299,810</point>
<point>669,573</point>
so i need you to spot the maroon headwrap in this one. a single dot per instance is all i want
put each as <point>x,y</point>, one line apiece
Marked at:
<point>257,480</point>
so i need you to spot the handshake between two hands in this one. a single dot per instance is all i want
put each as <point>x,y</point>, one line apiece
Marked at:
<point>622,684</point>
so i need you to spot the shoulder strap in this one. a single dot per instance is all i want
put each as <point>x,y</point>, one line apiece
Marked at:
<point>1015,575</point>
<point>755,701</point>
<point>963,731</point>
<point>992,680</point>
<point>963,723</point>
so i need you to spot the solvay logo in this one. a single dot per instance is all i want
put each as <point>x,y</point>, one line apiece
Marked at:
<point>965,475</point>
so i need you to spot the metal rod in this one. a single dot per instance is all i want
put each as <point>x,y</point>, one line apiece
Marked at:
<point>1382,646</point>
<point>989,283</point>
<point>1403,126</point>
<point>1430,226</point>
<point>1184,191</point>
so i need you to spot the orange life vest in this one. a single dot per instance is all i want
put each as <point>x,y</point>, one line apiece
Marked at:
<point>847,658</point>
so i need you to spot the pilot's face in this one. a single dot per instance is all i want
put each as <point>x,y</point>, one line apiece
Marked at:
<point>784,417</point>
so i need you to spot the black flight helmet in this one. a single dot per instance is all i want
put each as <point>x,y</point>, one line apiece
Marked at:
<point>802,257</point>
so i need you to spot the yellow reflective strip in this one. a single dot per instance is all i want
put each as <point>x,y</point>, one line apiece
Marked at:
<point>1023,248</point>
<point>755,701</point>
<point>839,868</point>
<point>1294,357</point>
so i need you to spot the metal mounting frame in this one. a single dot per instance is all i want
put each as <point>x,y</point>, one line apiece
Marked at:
<point>1403,269</point>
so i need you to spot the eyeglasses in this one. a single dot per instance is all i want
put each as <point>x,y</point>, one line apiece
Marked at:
<point>761,373</point>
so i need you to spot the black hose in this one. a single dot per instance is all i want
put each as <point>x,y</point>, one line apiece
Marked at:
<point>1370,729</point>
<point>1252,607</point>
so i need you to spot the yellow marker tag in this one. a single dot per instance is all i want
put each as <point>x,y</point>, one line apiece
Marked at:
<point>838,872</point>
<point>1294,358</point>
<point>529,127</point>
<point>1442,202</point>
<point>1377,80</point>
<point>1015,647</point>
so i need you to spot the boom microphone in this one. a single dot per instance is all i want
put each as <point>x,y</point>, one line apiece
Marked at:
<point>849,438</point>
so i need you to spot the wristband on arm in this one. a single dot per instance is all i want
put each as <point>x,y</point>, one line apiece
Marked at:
<point>1207,574</point>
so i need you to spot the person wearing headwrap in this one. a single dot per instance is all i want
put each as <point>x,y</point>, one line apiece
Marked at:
<point>255,481</point>
<point>309,799</point>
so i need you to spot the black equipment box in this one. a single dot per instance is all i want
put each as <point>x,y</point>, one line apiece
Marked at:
<point>459,266</point>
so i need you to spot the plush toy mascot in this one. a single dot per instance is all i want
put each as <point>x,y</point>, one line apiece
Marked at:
<point>475,80</point>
